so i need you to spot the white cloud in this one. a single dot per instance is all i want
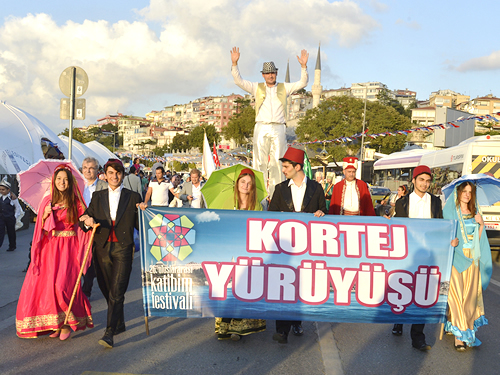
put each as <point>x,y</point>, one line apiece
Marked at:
<point>491,62</point>
<point>128,63</point>
<point>207,217</point>
<point>409,24</point>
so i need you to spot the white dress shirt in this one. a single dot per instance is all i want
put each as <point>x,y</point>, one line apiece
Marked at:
<point>114,199</point>
<point>298,192</point>
<point>196,202</point>
<point>271,111</point>
<point>420,208</point>
<point>351,196</point>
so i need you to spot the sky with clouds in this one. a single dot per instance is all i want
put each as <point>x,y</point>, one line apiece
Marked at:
<point>143,55</point>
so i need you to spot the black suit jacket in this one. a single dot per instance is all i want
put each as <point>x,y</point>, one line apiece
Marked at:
<point>314,198</point>
<point>126,216</point>
<point>403,203</point>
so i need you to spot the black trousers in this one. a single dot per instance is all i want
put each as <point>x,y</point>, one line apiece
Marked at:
<point>417,333</point>
<point>8,223</point>
<point>113,264</point>
<point>283,326</point>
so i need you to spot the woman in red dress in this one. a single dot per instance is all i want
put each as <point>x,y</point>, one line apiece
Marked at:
<point>56,257</point>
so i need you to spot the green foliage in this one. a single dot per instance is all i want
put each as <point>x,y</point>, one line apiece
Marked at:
<point>240,127</point>
<point>343,117</point>
<point>78,135</point>
<point>385,98</point>
<point>196,136</point>
<point>191,166</point>
<point>180,142</point>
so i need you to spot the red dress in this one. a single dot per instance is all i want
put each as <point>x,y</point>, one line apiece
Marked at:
<point>57,253</point>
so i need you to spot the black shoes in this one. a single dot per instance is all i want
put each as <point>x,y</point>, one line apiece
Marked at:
<point>282,338</point>
<point>422,346</point>
<point>397,330</point>
<point>297,329</point>
<point>107,339</point>
<point>120,329</point>
<point>11,249</point>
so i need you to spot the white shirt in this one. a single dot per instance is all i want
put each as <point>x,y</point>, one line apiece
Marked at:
<point>15,203</point>
<point>159,195</point>
<point>196,202</point>
<point>88,191</point>
<point>298,192</point>
<point>420,208</point>
<point>272,110</point>
<point>351,197</point>
<point>114,199</point>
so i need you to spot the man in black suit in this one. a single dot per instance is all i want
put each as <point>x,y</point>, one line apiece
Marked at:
<point>115,209</point>
<point>296,194</point>
<point>422,205</point>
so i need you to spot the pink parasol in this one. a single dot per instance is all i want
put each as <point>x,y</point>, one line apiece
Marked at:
<point>35,182</point>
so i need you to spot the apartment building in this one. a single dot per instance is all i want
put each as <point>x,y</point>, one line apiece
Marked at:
<point>447,98</point>
<point>405,97</point>
<point>136,133</point>
<point>368,89</point>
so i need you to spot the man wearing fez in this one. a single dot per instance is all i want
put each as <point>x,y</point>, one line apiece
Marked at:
<point>296,194</point>
<point>115,209</point>
<point>269,138</point>
<point>351,196</point>
<point>422,205</point>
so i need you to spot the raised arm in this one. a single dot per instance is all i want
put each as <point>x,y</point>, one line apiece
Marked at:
<point>235,55</point>
<point>304,56</point>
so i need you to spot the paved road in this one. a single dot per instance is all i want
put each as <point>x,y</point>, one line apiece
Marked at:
<point>189,346</point>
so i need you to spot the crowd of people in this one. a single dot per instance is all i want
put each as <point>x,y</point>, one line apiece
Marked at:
<point>109,208</point>
<point>109,204</point>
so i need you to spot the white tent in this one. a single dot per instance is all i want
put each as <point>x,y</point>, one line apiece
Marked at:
<point>100,150</point>
<point>25,140</point>
<point>80,151</point>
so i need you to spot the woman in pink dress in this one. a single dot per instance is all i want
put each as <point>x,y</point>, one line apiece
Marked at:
<point>56,257</point>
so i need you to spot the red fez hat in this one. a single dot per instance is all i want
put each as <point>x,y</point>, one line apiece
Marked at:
<point>421,169</point>
<point>350,162</point>
<point>295,155</point>
<point>247,171</point>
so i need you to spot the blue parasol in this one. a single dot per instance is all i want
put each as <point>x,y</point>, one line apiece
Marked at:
<point>487,188</point>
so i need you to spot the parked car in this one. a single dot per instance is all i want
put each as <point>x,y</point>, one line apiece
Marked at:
<point>385,208</point>
<point>378,193</point>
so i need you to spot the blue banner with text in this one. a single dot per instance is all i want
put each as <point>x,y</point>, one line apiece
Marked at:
<point>293,266</point>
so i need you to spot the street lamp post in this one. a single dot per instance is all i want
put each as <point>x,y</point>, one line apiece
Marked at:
<point>362,151</point>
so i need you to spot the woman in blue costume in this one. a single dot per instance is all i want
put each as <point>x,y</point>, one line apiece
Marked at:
<point>471,269</point>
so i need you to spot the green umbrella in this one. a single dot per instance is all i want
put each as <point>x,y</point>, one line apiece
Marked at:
<point>219,189</point>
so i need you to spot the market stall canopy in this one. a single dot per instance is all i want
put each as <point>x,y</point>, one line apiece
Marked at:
<point>25,140</point>
<point>80,151</point>
<point>102,152</point>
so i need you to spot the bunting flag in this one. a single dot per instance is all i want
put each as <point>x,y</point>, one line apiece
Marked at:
<point>307,167</point>
<point>216,157</point>
<point>430,128</point>
<point>208,165</point>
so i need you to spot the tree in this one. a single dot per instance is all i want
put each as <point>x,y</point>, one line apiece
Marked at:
<point>385,98</point>
<point>343,117</point>
<point>196,136</point>
<point>180,142</point>
<point>78,135</point>
<point>240,127</point>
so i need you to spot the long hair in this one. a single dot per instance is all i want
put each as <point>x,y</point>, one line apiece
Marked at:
<point>404,188</point>
<point>252,198</point>
<point>472,203</point>
<point>67,195</point>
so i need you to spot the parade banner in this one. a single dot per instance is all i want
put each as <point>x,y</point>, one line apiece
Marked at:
<point>293,266</point>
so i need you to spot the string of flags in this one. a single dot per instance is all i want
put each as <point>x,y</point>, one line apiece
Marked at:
<point>430,128</point>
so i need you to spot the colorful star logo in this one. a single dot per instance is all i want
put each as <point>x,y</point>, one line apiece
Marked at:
<point>171,237</point>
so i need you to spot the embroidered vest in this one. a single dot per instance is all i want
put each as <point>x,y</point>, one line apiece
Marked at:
<point>260,96</point>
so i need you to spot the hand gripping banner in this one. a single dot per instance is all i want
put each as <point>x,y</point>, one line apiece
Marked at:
<point>293,266</point>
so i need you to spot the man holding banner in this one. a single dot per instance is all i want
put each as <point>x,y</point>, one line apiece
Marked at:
<point>296,194</point>
<point>420,205</point>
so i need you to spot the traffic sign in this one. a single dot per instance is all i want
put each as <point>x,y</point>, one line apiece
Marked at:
<point>81,81</point>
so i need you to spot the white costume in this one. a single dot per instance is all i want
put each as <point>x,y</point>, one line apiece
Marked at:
<point>269,138</point>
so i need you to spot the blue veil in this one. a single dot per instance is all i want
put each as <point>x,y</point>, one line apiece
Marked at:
<point>481,252</point>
